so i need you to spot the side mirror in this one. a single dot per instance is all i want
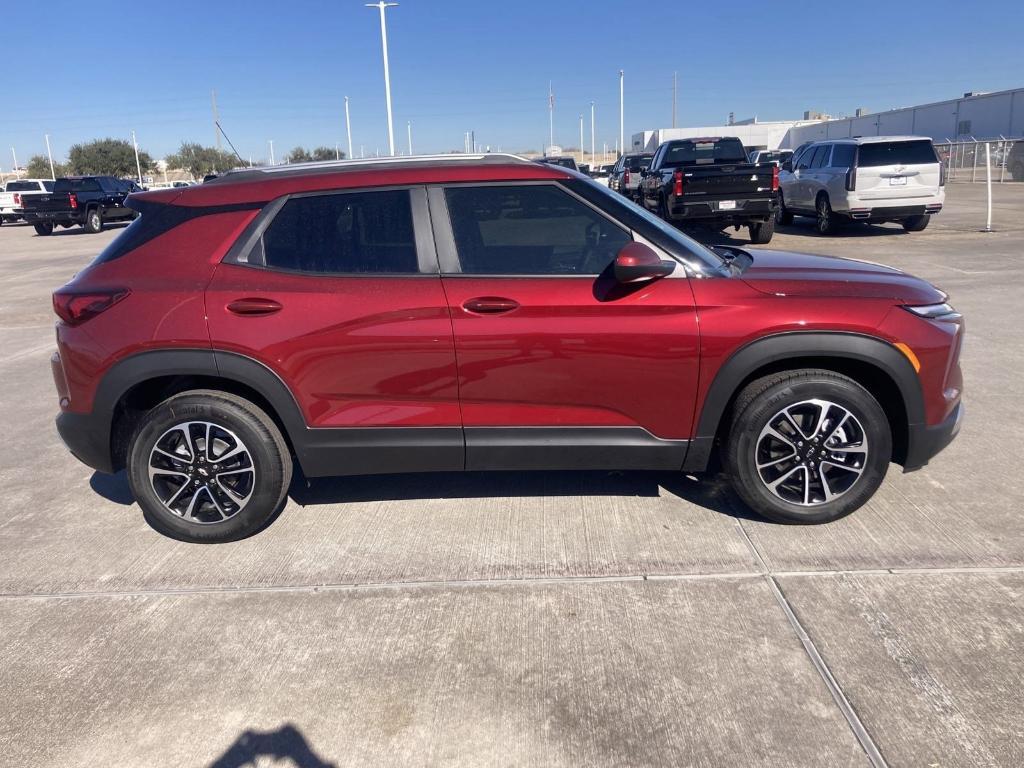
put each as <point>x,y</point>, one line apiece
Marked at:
<point>788,166</point>
<point>637,262</point>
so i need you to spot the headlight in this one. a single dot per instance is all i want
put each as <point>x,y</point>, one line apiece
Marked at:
<point>935,312</point>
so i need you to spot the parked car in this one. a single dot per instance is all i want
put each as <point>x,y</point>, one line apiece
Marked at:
<point>16,191</point>
<point>564,161</point>
<point>1015,160</point>
<point>88,201</point>
<point>777,156</point>
<point>441,314</point>
<point>871,178</point>
<point>625,175</point>
<point>709,181</point>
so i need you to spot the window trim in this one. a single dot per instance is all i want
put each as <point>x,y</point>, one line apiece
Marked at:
<point>444,234</point>
<point>251,240</point>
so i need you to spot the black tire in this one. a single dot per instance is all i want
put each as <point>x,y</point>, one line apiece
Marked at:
<point>826,221</point>
<point>916,223</point>
<point>662,208</point>
<point>761,403</point>
<point>236,419</point>
<point>43,229</point>
<point>761,233</point>
<point>93,223</point>
<point>783,216</point>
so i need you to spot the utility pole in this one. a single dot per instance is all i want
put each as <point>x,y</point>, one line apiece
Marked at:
<point>675,89</point>
<point>381,5</point>
<point>15,168</point>
<point>337,151</point>
<point>581,139</point>
<point>271,142</point>
<point>551,116</point>
<point>216,118</point>
<point>408,127</point>
<point>622,111</point>
<point>135,145</point>
<point>53,176</point>
<point>593,161</point>
<point>348,129</point>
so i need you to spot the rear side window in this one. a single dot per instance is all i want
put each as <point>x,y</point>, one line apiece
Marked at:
<point>874,154</point>
<point>345,233</point>
<point>536,229</point>
<point>842,155</point>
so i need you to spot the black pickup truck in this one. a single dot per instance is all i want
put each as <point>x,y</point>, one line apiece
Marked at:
<point>85,200</point>
<point>708,181</point>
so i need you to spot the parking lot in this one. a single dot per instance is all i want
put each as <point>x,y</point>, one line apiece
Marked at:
<point>546,619</point>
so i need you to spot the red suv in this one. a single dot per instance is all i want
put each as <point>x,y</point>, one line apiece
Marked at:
<point>481,313</point>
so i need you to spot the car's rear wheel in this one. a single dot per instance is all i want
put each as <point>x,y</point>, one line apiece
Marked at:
<point>783,215</point>
<point>915,223</point>
<point>826,221</point>
<point>93,221</point>
<point>761,232</point>
<point>208,467</point>
<point>807,446</point>
<point>43,229</point>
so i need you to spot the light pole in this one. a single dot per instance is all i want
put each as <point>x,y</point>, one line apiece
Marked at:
<point>135,146</point>
<point>348,129</point>
<point>53,176</point>
<point>622,112</point>
<point>551,116</point>
<point>381,5</point>
<point>581,139</point>
<point>15,168</point>
<point>271,143</point>
<point>592,147</point>
<point>408,127</point>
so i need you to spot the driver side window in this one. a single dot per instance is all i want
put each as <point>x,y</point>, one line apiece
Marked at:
<point>535,229</point>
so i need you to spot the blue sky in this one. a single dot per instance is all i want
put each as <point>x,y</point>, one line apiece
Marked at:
<point>281,70</point>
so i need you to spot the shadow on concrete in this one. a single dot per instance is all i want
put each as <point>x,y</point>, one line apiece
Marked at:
<point>257,748</point>
<point>76,230</point>
<point>852,230</point>
<point>112,487</point>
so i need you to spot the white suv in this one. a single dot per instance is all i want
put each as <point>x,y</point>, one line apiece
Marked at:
<point>873,178</point>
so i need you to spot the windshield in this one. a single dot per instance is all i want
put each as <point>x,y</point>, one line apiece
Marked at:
<point>698,258</point>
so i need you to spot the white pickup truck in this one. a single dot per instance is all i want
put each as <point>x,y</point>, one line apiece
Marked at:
<point>16,190</point>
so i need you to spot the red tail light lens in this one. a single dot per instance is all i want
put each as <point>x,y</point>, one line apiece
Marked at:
<point>75,307</point>
<point>677,182</point>
<point>851,179</point>
<point>775,178</point>
<point>17,199</point>
<point>73,199</point>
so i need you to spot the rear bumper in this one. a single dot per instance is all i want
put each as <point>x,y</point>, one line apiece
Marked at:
<point>54,216</point>
<point>709,210</point>
<point>893,213</point>
<point>88,439</point>
<point>926,442</point>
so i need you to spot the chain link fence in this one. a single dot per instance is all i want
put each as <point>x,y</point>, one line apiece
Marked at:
<point>966,160</point>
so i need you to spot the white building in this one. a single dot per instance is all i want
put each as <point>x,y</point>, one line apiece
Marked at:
<point>976,116</point>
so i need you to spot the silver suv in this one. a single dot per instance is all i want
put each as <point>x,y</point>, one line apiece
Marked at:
<point>872,178</point>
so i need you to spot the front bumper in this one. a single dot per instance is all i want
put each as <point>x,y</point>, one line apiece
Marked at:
<point>925,442</point>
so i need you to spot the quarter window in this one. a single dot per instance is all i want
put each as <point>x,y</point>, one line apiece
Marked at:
<point>842,155</point>
<point>530,230</point>
<point>345,233</point>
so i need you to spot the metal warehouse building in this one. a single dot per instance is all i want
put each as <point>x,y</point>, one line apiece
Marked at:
<point>974,116</point>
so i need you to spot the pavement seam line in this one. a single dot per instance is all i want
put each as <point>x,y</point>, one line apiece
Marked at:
<point>860,732</point>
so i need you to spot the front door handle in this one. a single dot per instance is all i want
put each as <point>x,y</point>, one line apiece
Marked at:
<point>254,306</point>
<point>489,305</point>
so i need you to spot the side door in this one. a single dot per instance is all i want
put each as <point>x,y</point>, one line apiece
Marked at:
<point>818,174</point>
<point>339,295</point>
<point>798,196</point>
<point>559,365</point>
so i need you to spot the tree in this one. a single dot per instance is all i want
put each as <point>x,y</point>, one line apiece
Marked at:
<point>327,153</point>
<point>107,157</point>
<point>200,161</point>
<point>39,168</point>
<point>299,155</point>
<point>303,155</point>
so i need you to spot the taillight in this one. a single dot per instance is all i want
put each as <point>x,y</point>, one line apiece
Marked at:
<point>942,174</point>
<point>775,178</point>
<point>677,183</point>
<point>851,179</point>
<point>73,199</point>
<point>17,199</point>
<point>75,307</point>
<point>625,176</point>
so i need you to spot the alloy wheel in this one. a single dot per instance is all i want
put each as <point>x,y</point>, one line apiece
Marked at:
<point>811,452</point>
<point>201,472</point>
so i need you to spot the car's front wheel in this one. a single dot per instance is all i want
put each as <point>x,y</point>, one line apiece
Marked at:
<point>208,467</point>
<point>807,446</point>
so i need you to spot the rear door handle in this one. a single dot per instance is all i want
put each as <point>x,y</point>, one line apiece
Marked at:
<point>489,305</point>
<point>254,306</point>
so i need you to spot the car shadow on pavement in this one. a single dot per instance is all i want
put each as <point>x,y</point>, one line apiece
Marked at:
<point>731,237</point>
<point>60,232</point>
<point>284,746</point>
<point>112,487</point>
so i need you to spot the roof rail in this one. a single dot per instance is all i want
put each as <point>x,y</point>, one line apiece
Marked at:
<point>495,158</point>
